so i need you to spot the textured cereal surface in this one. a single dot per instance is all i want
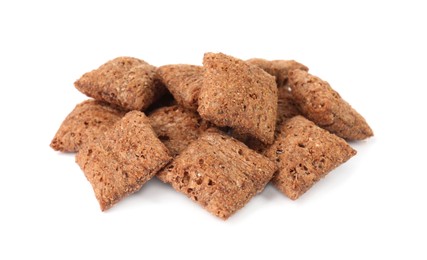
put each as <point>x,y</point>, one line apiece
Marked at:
<point>88,120</point>
<point>321,104</point>
<point>238,95</point>
<point>184,82</point>
<point>122,160</point>
<point>286,109</point>
<point>278,68</point>
<point>219,172</point>
<point>177,127</point>
<point>305,153</point>
<point>127,82</point>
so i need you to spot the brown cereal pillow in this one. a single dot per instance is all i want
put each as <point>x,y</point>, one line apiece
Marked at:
<point>184,82</point>
<point>127,82</point>
<point>177,127</point>
<point>321,104</point>
<point>305,153</point>
<point>88,120</point>
<point>219,172</point>
<point>121,161</point>
<point>238,95</point>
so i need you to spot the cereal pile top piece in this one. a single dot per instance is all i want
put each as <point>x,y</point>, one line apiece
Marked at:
<point>219,173</point>
<point>320,103</point>
<point>127,82</point>
<point>86,122</point>
<point>184,82</point>
<point>238,95</point>
<point>123,159</point>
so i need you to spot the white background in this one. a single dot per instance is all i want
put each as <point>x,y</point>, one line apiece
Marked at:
<point>372,52</point>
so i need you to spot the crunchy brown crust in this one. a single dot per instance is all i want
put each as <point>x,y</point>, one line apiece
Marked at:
<point>127,82</point>
<point>121,161</point>
<point>238,95</point>
<point>286,109</point>
<point>177,127</point>
<point>305,153</point>
<point>321,104</point>
<point>184,82</point>
<point>88,120</point>
<point>278,68</point>
<point>219,173</point>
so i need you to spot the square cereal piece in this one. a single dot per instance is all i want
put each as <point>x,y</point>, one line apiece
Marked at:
<point>219,172</point>
<point>278,68</point>
<point>127,82</point>
<point>321,104</point>
<point>177,127</point>
<point>184,82</point>
<point>88,120</point>
<point>305,153</point>
<point>238,95</point>
<point>121,161</point>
